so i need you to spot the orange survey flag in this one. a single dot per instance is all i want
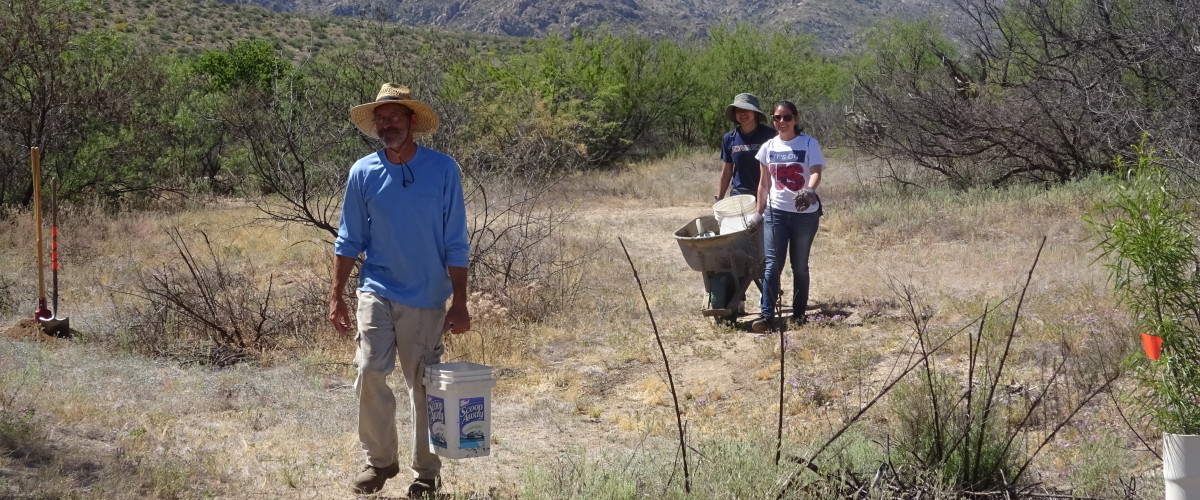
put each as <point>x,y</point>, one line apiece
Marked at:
<point>1152,345</point>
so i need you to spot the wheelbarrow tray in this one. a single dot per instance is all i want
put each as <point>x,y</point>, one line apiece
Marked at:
<point>721,258</point>
<point>733,252</point>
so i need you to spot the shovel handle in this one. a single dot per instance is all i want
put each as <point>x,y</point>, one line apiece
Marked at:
<point>36,156</point>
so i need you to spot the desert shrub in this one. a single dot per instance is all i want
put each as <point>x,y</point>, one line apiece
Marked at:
<point>212,308</point>
<point>247,62</point>
<point>520,260</point>
<point>936,430</point>
<point>971,430</point>
<point>611,92</point>
<point>1148,237</point>
<point>774,65</point>
<point>617,96</point>
<point>1099,465</point>
<point>1036,90</point>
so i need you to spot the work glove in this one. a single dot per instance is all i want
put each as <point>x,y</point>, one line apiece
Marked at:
<point>753,219</point>
<point>805,199</point>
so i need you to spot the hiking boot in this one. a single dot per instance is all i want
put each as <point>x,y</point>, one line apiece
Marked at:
<point>761,325</point>
<point>371,479</point>
<point>424,488</point>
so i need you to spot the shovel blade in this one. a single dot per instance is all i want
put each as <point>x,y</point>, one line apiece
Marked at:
<point>58,327</point>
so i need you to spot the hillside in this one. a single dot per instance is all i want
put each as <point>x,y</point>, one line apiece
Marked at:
<point>190,26</point>
<point>837,24</point>
<point>304,27</point>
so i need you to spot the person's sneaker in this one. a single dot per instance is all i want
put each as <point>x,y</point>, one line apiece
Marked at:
<point>761,325</point>
<point>424,488</point>
<point>798,321</point>
<point>371,479</point>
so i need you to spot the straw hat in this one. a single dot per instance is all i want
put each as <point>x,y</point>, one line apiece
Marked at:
<point>363,115</point>
<point>747,102</point>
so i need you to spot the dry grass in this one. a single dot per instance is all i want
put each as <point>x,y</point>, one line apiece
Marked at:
<point>589,376</point>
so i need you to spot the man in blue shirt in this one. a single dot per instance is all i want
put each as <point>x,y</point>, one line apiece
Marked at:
<point>404,213</point>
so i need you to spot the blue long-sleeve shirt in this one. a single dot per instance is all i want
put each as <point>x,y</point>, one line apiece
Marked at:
<point>411,224</point>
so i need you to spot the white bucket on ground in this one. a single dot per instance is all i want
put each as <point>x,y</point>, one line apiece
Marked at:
<point>734,212</point>
<point>1181,466</point>
<point>459,397</point>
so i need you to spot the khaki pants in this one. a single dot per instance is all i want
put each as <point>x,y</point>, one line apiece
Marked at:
<point>388,331</point>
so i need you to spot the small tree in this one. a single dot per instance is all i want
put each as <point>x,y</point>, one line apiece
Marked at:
<point>1044,90</point>
<point>1149,239</point>
<point>88,98</point>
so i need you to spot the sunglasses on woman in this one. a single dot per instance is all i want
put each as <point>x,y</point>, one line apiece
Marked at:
<point>782,118</point>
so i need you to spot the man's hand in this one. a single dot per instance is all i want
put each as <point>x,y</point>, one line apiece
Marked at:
<point>458,320</point>
<point>754,219</point>
<point>339,315</point>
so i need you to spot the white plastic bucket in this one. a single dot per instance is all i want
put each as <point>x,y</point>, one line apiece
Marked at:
<point>733,213</point>
<point>1181,466</point>
<point>459,398</point>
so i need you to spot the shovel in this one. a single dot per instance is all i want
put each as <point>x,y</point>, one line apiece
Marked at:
<point>58,326</point>
<point>43,314</point>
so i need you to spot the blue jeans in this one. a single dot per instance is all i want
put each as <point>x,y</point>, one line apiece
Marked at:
<point>792,234</point>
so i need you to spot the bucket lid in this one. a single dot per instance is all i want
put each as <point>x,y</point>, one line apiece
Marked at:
<point>457,370</point>
<point>468,378</point>
<point>459,386</point>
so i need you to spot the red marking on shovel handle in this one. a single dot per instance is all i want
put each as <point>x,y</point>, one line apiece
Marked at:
<point>54,248</point>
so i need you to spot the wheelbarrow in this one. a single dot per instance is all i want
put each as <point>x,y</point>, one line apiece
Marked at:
<point>728,263</point>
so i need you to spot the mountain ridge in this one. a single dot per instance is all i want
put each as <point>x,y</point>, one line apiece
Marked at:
<point>838,25</point>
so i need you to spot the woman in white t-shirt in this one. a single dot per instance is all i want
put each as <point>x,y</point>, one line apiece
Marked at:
<point>791,166</point>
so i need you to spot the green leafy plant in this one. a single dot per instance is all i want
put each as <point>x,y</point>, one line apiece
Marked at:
<point>1148,238</point>
<point>246,62</point>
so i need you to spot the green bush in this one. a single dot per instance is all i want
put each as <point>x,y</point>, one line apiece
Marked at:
<point>1149,239</point>
<point>621,95</point>
<point>962,442</point>
<point>247,62</point>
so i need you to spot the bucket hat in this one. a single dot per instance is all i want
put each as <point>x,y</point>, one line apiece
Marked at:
<point>363,115</point>
<point>744,101</point>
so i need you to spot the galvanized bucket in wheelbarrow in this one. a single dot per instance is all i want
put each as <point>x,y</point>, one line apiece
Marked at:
<point>728,262</point>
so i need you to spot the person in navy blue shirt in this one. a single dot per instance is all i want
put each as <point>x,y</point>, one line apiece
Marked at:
<point>404,213</point>
<point>740,172</point>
